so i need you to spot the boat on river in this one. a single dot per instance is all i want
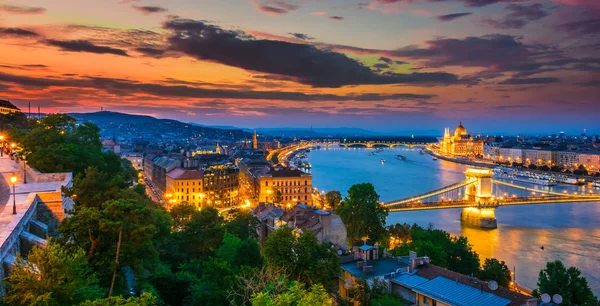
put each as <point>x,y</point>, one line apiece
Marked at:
<point>524,176</point>
<point>401,157</point>
<point>382,161</point>
<point>569,180</point>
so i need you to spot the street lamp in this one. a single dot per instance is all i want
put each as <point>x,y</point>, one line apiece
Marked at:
<point>13,180</point>
<point>24,169</point>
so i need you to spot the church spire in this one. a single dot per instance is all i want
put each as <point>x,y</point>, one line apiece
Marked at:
<point>254,141</point>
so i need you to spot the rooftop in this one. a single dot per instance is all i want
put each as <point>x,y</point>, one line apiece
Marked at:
<point>7,104</point>
<point>286,172</point>
<point>186,174</point>
<point>431,272</point>
<point>381,267</point>
<point>455,293</point>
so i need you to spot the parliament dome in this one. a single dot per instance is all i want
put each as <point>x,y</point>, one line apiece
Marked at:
<point>460,130</point>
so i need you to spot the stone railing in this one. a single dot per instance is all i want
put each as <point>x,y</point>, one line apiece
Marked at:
<point>9,236</point>
<point>47,177</point>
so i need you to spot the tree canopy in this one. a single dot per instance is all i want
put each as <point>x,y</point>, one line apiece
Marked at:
<point>362,214</point>
<point>303,258</point>
<point>555,278</point>
<point>496,270</point>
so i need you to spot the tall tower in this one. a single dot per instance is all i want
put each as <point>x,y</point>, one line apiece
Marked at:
<point>254,141</point>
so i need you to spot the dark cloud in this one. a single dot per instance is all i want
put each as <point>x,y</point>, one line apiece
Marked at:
<point>508,107</point>
<point>501,52</point>
<point>154,52</point>
<point>122,87</point>
<point>302,36</point>
<point>381,66</point>
<point>84,46</point>
<point>149,9</point>
<point>276,7</point>
<point>588,26</point>
<point>519,16</point>
<point>593,83</point>
<point>17,32</point>
<point>336,17</point>
<point>470,3</point>
<point>517,81</point>
<point>386,60</point>
<point>451,17</point>
<point>22,9</point>
<point>305,63</point>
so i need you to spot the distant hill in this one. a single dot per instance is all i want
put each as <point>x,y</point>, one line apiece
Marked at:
<point>115,117</point>
<point>317,132</point>
<point>115,123</point>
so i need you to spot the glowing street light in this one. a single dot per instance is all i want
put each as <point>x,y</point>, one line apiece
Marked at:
<point>13,180</point>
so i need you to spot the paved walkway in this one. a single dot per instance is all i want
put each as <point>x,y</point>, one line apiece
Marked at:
<point>22,191</point>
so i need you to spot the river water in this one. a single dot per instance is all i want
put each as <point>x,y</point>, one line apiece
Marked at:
<point>569,232</point>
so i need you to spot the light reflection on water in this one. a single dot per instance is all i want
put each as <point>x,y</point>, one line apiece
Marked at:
<point>569,231</point>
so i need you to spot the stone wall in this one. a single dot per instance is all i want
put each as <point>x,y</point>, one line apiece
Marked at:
<point>46,177</point>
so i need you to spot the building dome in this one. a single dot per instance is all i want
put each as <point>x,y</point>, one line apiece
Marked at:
<point>460,130</point>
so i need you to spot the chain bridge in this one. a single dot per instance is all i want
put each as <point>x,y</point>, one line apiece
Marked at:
<point>479,195</point>
<point>372,144</point>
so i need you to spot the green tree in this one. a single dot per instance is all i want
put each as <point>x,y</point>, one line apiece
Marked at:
<point>242,224</point>
<point>494,269</point>
<point>239,252</point>
<point>145,299</point>
<point>181,214</point>
<point>333,198</point>
<point>295,295</point>
<point>581,170</point>
<point>129,227</point>
<point>303,258</point>
<point>362,214</point>
<point>366,292</point>
<point>199,238</point>
<point>277,197</point>
<point>444,250</point>
<point>128,220</point>
<point>532,166</point>
<point>52,276</point>
<point>557,279</point>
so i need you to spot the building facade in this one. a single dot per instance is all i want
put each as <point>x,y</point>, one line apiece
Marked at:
<point>460,143</point>
<point>6,107</point>
<point>295,186</point>
<point>214,186</point>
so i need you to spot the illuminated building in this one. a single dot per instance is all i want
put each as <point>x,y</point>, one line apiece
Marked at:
<point>295,186</point>
<point>6,107</point>
<point>255,141</point>
<point>212,186</point>
<point>460,143</point>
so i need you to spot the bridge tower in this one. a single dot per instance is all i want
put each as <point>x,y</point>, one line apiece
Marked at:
<point>480,192</point>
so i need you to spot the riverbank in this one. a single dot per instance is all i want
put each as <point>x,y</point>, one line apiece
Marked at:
<point>460,161</point>
<point>494,165</point>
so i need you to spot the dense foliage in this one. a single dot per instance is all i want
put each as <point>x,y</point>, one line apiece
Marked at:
<point>363,215</point>
<point>557,279</point>
<point>496,270</point>
<point>444,250</point>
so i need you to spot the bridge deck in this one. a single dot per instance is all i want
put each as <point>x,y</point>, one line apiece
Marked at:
<point>504,202</point>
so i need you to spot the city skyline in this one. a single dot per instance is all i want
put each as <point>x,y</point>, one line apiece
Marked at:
<point>383,65</point>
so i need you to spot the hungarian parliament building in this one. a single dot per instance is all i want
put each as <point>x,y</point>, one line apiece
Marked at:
<point>460,143</point>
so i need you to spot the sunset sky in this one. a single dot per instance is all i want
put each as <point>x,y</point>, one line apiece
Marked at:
<point>396,66</point>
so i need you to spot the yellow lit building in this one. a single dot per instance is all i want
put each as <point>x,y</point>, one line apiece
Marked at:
<point>6,107</point>
<point>460,143</point>
<point>295,186</point>
<point>215,186</point>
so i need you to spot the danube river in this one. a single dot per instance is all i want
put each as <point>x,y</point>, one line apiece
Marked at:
<point>569,232</point>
